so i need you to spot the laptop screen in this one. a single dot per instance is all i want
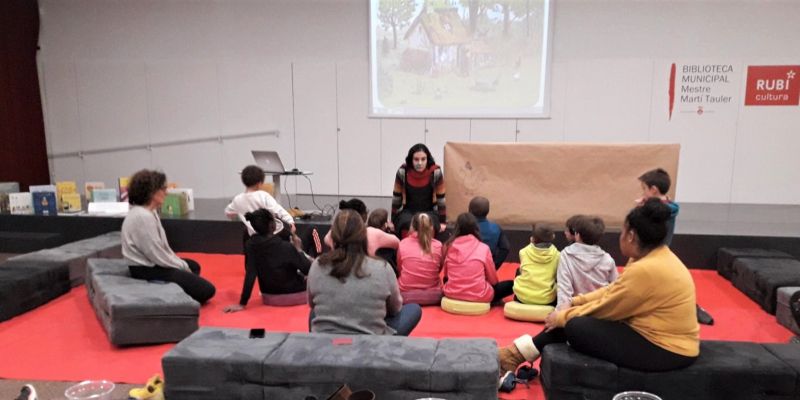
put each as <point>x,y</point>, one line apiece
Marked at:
<point>269,161</point>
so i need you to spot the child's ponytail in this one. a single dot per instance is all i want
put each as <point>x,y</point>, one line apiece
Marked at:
<point>421,223</point>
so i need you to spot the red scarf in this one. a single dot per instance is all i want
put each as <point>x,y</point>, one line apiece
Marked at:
<point>420,179</point>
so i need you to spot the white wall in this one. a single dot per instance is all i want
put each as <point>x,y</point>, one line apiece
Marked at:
<point>119,73</point>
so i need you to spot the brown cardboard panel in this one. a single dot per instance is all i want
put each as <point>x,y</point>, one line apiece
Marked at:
<point>549,182</point>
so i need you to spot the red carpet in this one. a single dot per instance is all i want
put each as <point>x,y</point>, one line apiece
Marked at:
<point>63,339</point>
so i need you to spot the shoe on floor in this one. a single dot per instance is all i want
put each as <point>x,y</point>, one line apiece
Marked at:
<point>704,317</point>
<point>28,392</point>
<point>152,390</point>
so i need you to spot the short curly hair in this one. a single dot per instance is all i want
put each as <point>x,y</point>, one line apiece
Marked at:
<point>252,175</point>
<point>143,185</point>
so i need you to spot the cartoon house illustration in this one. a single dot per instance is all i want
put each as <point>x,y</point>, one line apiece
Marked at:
<point>436,42</point>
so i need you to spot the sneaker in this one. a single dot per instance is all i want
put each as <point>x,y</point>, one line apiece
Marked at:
<point>152,390</point>
<point>28,392</point>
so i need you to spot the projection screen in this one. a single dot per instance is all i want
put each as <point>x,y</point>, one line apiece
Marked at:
<point>460,58</point>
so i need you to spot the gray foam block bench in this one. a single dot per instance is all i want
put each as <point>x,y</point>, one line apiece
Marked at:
<point>219,363</point>
<point>724,371</point>
<point>727,255</point>
<point>76,253</point>
<point>760,278</point>
<point>25,286</point>
<point>783,312</point>
<point>135,311</point>
<point>23,242</point>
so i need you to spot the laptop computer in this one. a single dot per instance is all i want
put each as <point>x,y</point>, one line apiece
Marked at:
<point>271,163</point>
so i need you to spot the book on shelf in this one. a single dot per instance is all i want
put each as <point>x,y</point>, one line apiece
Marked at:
<point>42,188</point>
<point>4,208</point>
<point>175,205</point>
<point>116,208</point>
<point>122,185</point>
<point>104,195</point>
<point>189,197</point>
<point>71,203</point>
<point>44,203</point>
<point>20,203</point>
<point>9,187</point>
<point>62,188</point>
<point>88,187</point>
<point>5,189</point>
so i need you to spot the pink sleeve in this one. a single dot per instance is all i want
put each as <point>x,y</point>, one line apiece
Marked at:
<point>488,265</point>
<point>328,240</point>
<point>387,241</point>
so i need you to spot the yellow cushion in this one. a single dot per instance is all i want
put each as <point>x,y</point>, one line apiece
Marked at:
<point>464,307</point>
<point>526,312</point>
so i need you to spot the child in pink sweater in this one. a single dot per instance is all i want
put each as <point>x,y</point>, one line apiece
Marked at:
<point>468,266</point>
<point>419,258</point>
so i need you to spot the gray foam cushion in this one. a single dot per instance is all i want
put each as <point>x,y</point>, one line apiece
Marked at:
<point>76,261</point>
<point>726,256</point>
<point>724,370</point>
<point>760,278</point>
<point>108,245</point>
<point>783,312</point>
<point>135,311</point>
<point>301,364</point>
<point>24,287</point>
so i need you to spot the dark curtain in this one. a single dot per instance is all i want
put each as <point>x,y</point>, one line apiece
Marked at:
<point>23,152</point>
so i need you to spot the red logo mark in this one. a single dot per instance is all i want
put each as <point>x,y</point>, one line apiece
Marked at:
<point>772,85</point>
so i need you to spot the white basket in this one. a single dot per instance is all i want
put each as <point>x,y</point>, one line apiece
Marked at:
<point>90,390</point>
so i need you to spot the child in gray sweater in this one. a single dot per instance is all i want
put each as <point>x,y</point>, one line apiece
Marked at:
<point>583,266</point>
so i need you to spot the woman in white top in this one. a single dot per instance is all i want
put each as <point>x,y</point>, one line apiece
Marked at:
<point>144,243</point>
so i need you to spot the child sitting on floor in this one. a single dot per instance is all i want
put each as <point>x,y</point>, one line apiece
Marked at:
<point>469,268</point>
<point>279,267</point>
<point>419,257</point>
<point>491,233</point>
<point>381,243</point>
<point>583,266</point>
<point>536,283</point>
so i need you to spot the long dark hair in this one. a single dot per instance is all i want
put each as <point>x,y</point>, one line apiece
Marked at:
<point>649,222</point>
<point>415,148</point>
<point>349,246</point>
<point>143,185</point>
<point>466,224</point>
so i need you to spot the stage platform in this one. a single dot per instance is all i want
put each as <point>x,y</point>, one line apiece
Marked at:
<point>700,230</point>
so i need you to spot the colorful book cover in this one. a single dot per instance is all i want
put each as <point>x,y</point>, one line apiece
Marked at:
<point>122,185</point>
<point>104,195</point>
<point>175,205</point>
<point>4,209</point>
<point>20,203</point>
<point>189,196</point>
<point>44,203</point>
<point>63,188</point>
<point>71,202</point>
<point>88,187</point>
